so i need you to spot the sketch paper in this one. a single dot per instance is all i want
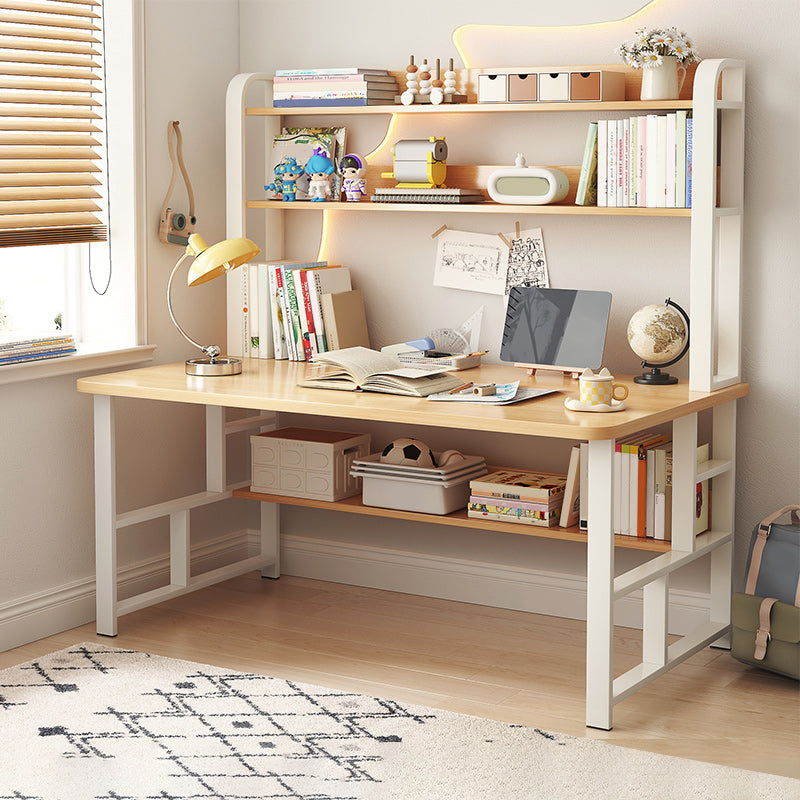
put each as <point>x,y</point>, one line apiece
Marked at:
<point>527,263</point>
<point>476,262</point>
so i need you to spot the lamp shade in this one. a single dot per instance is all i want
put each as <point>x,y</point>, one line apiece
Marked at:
<point>211,262</point>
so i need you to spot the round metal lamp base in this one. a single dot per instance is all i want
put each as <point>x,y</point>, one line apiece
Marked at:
<point>207,368</point>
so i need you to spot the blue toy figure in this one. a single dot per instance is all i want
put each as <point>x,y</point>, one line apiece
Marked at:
<point>286,174</point>
<point>352,168</point>
<point>319,169</point>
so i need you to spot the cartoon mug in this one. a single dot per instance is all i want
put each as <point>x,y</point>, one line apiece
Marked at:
<point>597,388</point>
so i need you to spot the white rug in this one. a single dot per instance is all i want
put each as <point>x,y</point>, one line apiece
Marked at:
<point>98,722</point>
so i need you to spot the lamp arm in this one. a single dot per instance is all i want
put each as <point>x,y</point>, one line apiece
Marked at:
<point>172,313</point>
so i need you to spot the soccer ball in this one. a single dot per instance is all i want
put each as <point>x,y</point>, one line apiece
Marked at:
<point>408,453</point>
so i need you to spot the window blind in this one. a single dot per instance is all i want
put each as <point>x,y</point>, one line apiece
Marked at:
<point>50,116</point>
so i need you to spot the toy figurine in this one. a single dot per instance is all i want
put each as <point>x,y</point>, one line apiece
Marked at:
<point>352,168</point>
<point>319,169</point>
<point>286,173</point>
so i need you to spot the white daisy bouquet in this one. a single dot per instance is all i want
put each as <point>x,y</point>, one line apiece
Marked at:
<point>648,47</point>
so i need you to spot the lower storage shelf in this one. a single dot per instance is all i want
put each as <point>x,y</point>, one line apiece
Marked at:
<point>354,505</point>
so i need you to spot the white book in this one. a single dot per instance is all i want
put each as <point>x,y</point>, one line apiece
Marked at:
<point>650,493</point>
<point>633,493</point>
<point>244,344</point>
<point>616,505</point>
<point>661,162</point>
<point>641,153</point>
<point>252,310</point>
<point>583,468</point>
<point>626,162</point>
<point>276,314</point>
<point>611,150</point>
<point>602,162</point>
<point>633,172</point>
<point>671,155</point>
<point>680,159</point>
<point>570,507</point>
<point>266,348</point>
<point>651,166</point>
<point>624,493</point>
<point>620,162</point>
<point>326,281</point>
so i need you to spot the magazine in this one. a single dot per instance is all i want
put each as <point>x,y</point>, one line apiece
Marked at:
<point>361,369</point>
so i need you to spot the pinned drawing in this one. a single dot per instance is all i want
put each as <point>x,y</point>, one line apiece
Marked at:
<point>475,262</point>
<point>527,263</point>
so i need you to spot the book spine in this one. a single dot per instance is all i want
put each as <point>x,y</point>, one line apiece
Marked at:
<point>283,73</point>
<point>651,166</point>
<point>330,102</point>
<point>266,345</point>
<point>583,491</point>
<point>650,493</point>
<point>689,126</point>
<point>616,508</point>
<point>502,492</point>
<point>680,159</point>
<point>314,289</point>
<point>588,169</point>
<point>329,322</point>
<point>309,329</point>
<point>253,291</point>
<point>39,354</point>
<point>513,518</point>
<point>641,161</point>
<point>626,164</point>
<point>32,347</point>
<point>480,500</point>
<point>660,480</point>
<point>294,313</point>
<point>633,490</point>
<point>278,337</point>
<point>672,160</point>
<point>661,162</point>
<point>633,172</point>
<point>283,276</point>
<point>333,78</point>
<point>245,330</point>
<point>570,509</point>
<point>337,94</point>
<point>602,162</point>
<point>611,182</point>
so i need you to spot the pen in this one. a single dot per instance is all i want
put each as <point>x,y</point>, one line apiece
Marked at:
<point>460,388</point>
<point>480,353</point>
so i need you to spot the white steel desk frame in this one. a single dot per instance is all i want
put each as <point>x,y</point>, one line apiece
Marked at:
<point>603,690</point>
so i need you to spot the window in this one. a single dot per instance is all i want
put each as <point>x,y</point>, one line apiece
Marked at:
<point>55,57</point>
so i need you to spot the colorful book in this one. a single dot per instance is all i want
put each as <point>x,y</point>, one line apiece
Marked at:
<point>611,159</point>
<point>36,355</point>
<point>543,508</point>
<point>515,515</point>
<point>333,79</point>
<point>520,485</point>
<point>282,73</point>
<point>620,155</point>
<point>304,316</point>
<point>334,94</point>
<point>586,194</point>
<point>280,276</point>
<point>602,162</point>
<point>276,313</point>
<point>689,126</point>
<point>570,508</point>
<point>330,102</point>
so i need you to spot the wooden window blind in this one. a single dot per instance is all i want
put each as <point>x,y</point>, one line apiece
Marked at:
<point>50,114</point>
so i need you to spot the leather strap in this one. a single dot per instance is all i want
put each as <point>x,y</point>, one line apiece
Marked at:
<point>764,529</point>
<point>177,163</point>
<point>762,634</point>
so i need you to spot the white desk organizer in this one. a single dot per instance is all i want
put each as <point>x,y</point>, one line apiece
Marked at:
<point>304,462</point>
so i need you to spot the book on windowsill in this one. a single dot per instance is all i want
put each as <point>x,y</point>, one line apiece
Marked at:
<point>361,369</point>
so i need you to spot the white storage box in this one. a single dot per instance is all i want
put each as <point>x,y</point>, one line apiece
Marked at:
<point>492,88</point>
<point>304,462</point>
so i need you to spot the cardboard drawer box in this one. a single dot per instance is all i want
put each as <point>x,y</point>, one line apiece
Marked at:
<point>553,86</point>
<point>305,462</point>
<point>596,85</point>
<point>522,87</point>
<point>492,88</point>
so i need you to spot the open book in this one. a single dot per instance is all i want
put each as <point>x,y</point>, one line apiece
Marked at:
<point>359,368</point>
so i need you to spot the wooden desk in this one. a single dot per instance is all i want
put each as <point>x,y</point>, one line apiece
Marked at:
<point>270,386</point>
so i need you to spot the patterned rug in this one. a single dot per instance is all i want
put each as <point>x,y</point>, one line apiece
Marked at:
<point>98,722</point>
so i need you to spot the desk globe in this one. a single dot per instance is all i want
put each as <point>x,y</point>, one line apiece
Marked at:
<point>659,335</point>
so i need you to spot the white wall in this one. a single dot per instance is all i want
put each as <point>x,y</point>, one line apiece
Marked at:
<point>642,261</point>
<point>46,462</point>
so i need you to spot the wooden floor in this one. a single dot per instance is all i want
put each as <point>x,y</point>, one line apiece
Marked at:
<point>489,662</point>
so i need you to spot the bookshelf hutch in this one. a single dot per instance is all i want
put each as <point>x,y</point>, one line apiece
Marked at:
<point>717,105</point>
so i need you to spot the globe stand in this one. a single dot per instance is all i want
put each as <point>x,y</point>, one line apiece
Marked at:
<point>655,377</point>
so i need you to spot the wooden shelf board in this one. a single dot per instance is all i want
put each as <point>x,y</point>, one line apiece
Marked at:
<point>473,108</point>
<point>354,505</point>
<point>479,208</point>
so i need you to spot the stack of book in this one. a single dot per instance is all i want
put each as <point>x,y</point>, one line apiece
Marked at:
<point>310,307</point>
<point>345,86</point>
<point>513,495</point>
<point>642,501</point>
<point>639,162</point>
<point>15,347</point>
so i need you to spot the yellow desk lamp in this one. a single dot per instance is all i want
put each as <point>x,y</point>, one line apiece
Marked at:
<point>210,263</point>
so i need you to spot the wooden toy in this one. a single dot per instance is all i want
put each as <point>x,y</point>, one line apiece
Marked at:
<point>424,78</point>
<point>412,83</point>
<point>352,168</point>
<point>419,163</point>
<point>423,87</point>
<point>319,169</point>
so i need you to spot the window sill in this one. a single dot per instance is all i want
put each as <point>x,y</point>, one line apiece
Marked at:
<point>88,358</point>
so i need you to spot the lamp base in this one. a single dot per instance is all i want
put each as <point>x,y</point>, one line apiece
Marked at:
<point>207,368</point>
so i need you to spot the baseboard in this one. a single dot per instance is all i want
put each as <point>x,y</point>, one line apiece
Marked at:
<point>63,607</point>
<point>536,591</point>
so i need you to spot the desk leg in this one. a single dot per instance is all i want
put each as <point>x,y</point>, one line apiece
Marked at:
<point>600,588</point>
<point>105,519</point>
<point>271,538</point>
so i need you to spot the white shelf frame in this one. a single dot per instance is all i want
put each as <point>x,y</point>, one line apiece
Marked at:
<point>715,362</point>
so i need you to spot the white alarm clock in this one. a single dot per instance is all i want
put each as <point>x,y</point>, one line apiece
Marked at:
<point>524,185</point>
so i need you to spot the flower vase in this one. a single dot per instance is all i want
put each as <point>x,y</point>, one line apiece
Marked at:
<point>662,82</point>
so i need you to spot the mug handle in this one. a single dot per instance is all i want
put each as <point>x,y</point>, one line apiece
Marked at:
<point>682,70</point>
<point>615,386</point>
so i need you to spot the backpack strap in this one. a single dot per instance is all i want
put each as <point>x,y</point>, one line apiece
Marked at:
<point>764,528</point>
<point>762,634</point>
